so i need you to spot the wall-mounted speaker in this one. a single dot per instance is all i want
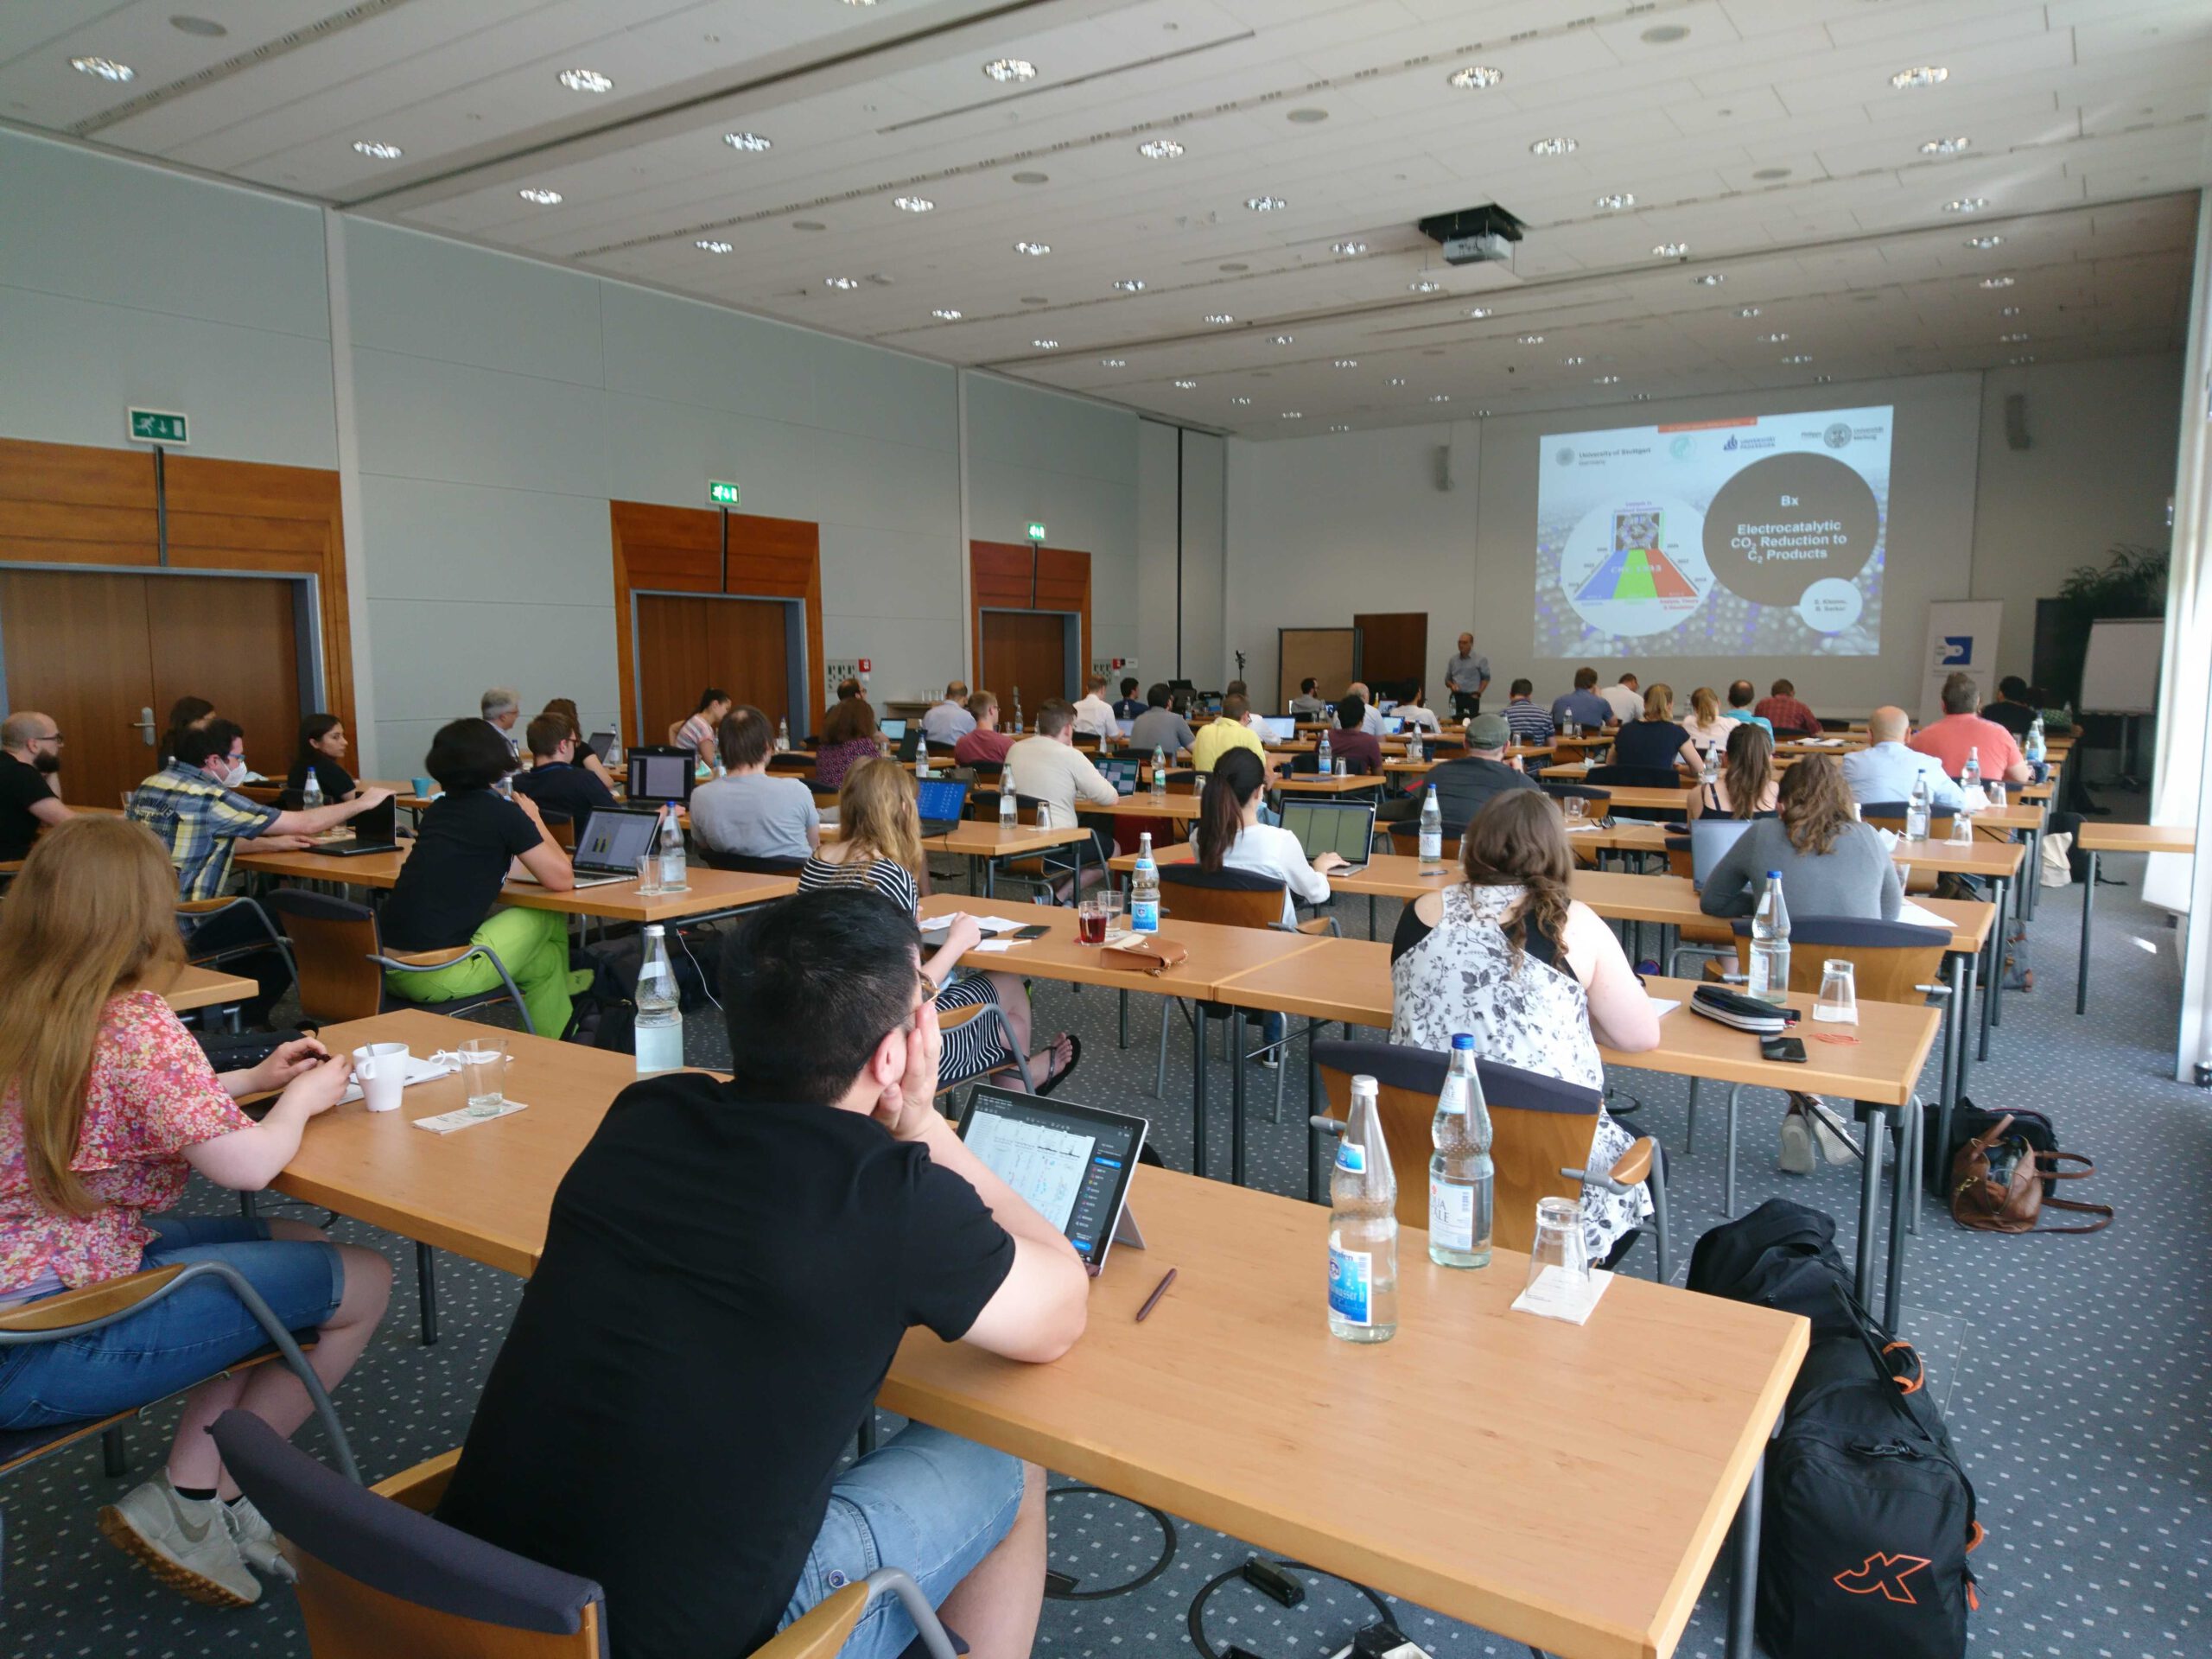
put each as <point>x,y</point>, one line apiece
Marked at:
<point>2016,420</point>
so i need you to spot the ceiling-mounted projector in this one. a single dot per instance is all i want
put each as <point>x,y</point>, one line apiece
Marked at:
<point>1474,236</point>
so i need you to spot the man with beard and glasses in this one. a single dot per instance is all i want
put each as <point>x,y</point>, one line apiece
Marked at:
<point>30,754</point>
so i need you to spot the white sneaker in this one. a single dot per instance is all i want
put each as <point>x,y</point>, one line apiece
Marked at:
<point>186,1542</point>
<point>256,1541</point>
<point>1835,1142</point>
<point>1796,1145</point>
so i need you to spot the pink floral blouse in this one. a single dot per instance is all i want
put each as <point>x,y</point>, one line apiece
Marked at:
<point>150,1094</point>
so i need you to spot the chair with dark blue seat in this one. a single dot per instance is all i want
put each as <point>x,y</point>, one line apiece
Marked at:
<point>746,865</point>
<point>378,1574</point>
<point>1541,1129</point>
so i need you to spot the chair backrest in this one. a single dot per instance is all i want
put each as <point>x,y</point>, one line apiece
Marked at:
<point>1890,815</point>
<point>1889,960</point>
<point>1636,777</point>
<point>740,861</point>
<point>1538,1126</point>
<point>377,1577</point>
<point>1404,839</point>
<point>332,942</point>
<point>1600,799</point>
<point>1226,898</point>
<point>563,829</point>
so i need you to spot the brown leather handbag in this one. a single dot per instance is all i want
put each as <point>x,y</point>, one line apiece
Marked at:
<point>1146,954</point>
<point>1997,1184</point>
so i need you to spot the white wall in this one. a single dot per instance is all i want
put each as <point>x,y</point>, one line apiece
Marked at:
<point>1321,527</point>
<point>1182,541</point>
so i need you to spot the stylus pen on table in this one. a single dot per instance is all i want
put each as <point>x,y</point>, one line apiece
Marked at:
<point>1158,1291</point>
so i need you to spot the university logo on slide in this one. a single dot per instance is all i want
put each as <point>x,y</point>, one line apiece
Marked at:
<point>1885,1574</point>
<point>1954,650</point>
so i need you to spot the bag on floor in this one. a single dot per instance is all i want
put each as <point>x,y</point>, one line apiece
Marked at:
<point>2055,861</point>
<point>1969,1121</point>
<point>2000,1183</point>
<point>1782,1256</point>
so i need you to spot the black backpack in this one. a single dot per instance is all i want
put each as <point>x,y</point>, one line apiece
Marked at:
<point>1868,1516</point>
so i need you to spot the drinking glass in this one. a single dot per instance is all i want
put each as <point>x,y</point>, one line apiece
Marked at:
<point>1112,902</point>
<point>1995,792</point>
<point>1838,1003</point>
<point>1961,827</point>
<point>1577,809</point>
<point>1558,1267</point>
<point>1857,816</point>
<point>1090,919</point>
<point>484,1068</point>
<point>648,874</point>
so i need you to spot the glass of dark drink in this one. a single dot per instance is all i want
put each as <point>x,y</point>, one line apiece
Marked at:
<point>1090,922</point>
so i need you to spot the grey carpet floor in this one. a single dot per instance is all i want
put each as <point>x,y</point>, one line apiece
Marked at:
<point>2074,1372</point>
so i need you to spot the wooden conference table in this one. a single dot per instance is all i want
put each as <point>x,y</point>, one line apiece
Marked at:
<point>1163,1412</point>
<point>207,988</point>
<point>2095,837</point>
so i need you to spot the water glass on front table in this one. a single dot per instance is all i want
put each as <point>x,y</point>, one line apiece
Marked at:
<point>648,874</point>
<point>484,1068</point>
<point>1558,1252</point>
<point>1838,1003</point>
<point>1575,807</point>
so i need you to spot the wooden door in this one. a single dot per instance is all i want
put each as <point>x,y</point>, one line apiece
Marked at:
<point>688,643</point>
<point>75,650</point>
<point>1394,653</point>
<point>96,651</point>
<point>1028,650</point>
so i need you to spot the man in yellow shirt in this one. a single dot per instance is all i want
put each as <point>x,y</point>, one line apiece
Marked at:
<point>1231,729</point>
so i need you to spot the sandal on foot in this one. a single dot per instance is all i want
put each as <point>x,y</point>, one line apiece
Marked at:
<point>1075,1058</point>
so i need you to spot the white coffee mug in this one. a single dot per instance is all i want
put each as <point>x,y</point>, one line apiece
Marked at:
<point>381,1070</point>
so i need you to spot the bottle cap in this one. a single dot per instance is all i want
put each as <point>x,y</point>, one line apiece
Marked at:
<point>654,930</point>
<point>1462,1040</point>
<point>1774,875</point>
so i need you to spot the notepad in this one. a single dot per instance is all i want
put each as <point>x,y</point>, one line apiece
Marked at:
<point>1919,916</point>
<point>1663,1006</point>
<point>1556,1295</point>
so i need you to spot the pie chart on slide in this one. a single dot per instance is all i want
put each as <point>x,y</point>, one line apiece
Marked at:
<point>1637,567</point>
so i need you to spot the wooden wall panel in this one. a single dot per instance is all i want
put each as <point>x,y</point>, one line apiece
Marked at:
<point>1020,577</point>
<point>1004,574</point>
<point>61,503</point>
<point>1064,584</point>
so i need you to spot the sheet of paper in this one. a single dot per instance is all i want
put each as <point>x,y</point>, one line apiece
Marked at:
<point>1663,1006</point>
<point>446,1122</point>
<point>421,1068</point>
<point>992,944</point>
<point>1919,916</point>
<point>1556,1296</point>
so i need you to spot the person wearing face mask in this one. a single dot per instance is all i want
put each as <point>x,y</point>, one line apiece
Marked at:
<point>189,805</point>
<point>30,754</point>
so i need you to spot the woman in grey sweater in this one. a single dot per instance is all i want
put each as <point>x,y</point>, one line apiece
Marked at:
<point>1831,865</point>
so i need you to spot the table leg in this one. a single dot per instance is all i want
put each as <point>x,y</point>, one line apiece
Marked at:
<point>1954,1071</point>
<point>1236,1097</point>
<point>2033,839</point>
<point>1742,1593</point>
<point>1125,1019</point>
<point>1370,915</point>
<point>2088,901</point>
<point>1972,965</point>
<point>990,878</point>
<point>2004,943</point>
<point>1870,1194</point>
<point>426,1283</point>
<point>1198,1023</point>
<point>1893,1286</point>
<point>1991,975</point>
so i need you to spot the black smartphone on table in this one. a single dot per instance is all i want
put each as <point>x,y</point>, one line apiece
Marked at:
<point>1790,1050</point>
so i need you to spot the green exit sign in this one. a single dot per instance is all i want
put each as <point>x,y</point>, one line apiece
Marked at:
<point>157,426</point>
<point>720,494</point>
<point>1036,532</point>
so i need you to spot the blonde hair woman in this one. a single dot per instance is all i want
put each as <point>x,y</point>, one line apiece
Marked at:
<point>108,1105</point>
<point>1706,725</point>
<point>879,845</point>
<point>1657,740</point>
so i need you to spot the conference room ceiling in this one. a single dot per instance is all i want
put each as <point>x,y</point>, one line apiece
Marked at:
<point>1824,216</point>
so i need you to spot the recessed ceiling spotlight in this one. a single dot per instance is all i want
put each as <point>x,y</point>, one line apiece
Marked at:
<point>1478,312</point>
<point>1265,204</point>
<point>1532,340</point>
<point>542,198</point>
<point>1747,310</point>
<point>1482,413</point>
<point>1997,282</point>
<point>751,143</point>
<point>1477,77</point>
<point>1553,147</point>
<point>913,203</point>
<point>1822,380</point>
<point>1643,397</point>
<point>1347,362</point>
<point>1349,250</point>
<point>1710,279</point>
<point>1219,317</point>
<point>1240,400</point>
<point>377,149</point>
<point>1034,250</point>
<point>1284,339</point>
<point>104,69</point>
<point>1046,344</point>
<point>842,284</point>
<point>2008,310</point>
<point>1396,380</point>
<point>1293,415</point>
<point>1606,380</point>
<point>1576,362</point>
<point>1966,204</point>
<point>1774,340</point>
<point>1985,243</point>
<point>946,314</point>
<point>1615,202</point>
<point>1945,146</point>
<point>1798,357</point>
<point>1340,428</point>
<point>708,246</point>
<point>1159,150</point>
<point>1005,70</point>
<point>585,80</point>
<point>2029,357</point>
<point>1426,285</point>
<point>1441,397</point>
<point>1185,386</point>
<point>1670,250</point>
<point>1926,74</point>
<point>1129,285</point>
<point>2013,340</point>
<point>1113,362</point>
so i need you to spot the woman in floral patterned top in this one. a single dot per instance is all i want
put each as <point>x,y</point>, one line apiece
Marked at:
<point>107,1105</point>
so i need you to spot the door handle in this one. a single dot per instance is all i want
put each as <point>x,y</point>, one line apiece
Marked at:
<point>145,724</point>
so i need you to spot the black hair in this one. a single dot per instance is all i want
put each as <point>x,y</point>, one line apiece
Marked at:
<point>1740,693</point>
<point>1129,685</point>
<point>196,745</point>
<point>1521,689</point>
<point>1351,710</point>
<point>810,986</point>
<point>1307,685</point>
<point>1236,775</point>
<point>468,754</point>
<point>313,728</point>
<point>710,697</point>
<point>2013,688</point>
<point>1157,695</point>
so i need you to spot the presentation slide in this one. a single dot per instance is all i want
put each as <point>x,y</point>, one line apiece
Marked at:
<point>1755,535</point>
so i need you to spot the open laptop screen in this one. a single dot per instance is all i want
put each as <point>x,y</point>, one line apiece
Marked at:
<point>1120,773</point>
<point>661,774</point>
<point>1276,728</point>
<point>1344,828</point>
<point>1710,840</point>
<point>940,800</point>
<point>615,840</point>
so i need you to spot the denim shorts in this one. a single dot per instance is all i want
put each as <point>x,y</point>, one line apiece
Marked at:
<point>925,1501</point>
<point>186,1337</point>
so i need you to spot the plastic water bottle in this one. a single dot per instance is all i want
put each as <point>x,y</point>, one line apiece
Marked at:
<point>1144,890</point>
<point>1413,744</point>
<point>311,796</point>
<point>2034,751</point>
<point>721,771</point>
<point>614,753</point>
<point>1710,773</point>
<point>660,1012</point>
<point>1770,942</point>
<point>1017,711</point>
<point>1009,809</point>
<point>673,876</point>
<point>1431,831</point>
<point>1970,773</point>
<point>1462,1181</point>
<point>1321,763</point>
<point>1915,807</point>
<point>1159,769</point>
<point>921,763</point>
<point>1363,1227</point>
<point>1567,727</point>
<point>782,737</point>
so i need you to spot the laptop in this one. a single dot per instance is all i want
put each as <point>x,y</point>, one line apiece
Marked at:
<point>600,744</point>
<point>376,830</point>
<point>614,839</point>
<point>1710,840</point>
<point>1122,726</point>
<point>910,741</point>
<point>941,802</point>
<point>1393,724</point>
<point>1345,828</point>
<point>1072,1163</point>
<point>1211,702</point>
<point>1123,773</point>
<point>661,773</point>
<point>1276,728</point>
<point>893,729</point>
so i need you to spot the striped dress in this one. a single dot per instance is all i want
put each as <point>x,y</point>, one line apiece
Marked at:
<point>970,1050</point>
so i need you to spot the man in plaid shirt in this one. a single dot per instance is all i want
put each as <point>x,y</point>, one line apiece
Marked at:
<point>1527,719</point>
<point>189,805</point>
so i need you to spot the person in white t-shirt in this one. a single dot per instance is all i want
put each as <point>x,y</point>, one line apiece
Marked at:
<point>1371,722</point>
<point>1415,711</point>
<point>1624,698</point>
<point>1094,716</point>
<point>1228,835</point>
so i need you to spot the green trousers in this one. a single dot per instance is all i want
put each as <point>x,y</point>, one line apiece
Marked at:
<point>534,945</point>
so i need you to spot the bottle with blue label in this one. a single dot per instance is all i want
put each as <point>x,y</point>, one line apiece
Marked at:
<point>1144,890</point>
<point>1363,1227</point>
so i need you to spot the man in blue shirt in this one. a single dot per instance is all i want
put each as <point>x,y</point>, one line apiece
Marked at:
<point>1130,705</point>
<point>1885,770</point>
<point>947,722</point>
<point>1528,723</point>
<point>1740,694</point>
<point>1583,705</point>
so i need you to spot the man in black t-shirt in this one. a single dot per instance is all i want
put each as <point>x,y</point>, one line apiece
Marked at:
<point>556,782</point>
<point>30,754</point>
<point>728,1270</point>
<point>2012,709</point>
